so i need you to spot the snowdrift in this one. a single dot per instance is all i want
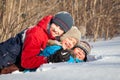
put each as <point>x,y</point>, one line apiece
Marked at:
<point>104,66</point>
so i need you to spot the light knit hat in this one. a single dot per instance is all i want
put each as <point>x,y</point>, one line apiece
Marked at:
<point>73,32</point>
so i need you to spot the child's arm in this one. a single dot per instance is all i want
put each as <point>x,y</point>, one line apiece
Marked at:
<point>31,49</point>
<point>50,50</point>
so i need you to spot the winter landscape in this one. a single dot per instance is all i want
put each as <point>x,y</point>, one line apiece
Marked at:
<point>104,66</point>
<point>98,21</point>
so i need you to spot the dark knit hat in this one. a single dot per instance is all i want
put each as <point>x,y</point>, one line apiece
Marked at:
<point>64,20</point>
<point>85,46</point>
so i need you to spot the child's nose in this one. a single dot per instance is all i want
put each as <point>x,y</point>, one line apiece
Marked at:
<point>57,33</point>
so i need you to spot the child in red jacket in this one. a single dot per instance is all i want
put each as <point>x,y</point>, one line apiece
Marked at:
<point>36,38</point>
<point>23,49</point>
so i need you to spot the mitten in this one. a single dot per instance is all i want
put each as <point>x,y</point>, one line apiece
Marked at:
<point>59,56</point>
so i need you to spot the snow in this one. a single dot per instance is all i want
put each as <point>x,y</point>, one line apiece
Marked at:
<point>104,66</point>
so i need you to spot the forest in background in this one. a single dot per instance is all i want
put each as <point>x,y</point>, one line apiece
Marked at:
<point>94,18</point>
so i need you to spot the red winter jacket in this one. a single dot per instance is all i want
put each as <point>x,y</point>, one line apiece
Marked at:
<point>36,40</point>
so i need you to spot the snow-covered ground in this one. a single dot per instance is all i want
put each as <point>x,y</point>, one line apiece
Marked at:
<point>105,67</point>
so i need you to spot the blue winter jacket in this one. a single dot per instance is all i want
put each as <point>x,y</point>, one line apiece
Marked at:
<point>49,50</point>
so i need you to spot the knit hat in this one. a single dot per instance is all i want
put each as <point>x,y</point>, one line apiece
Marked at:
<point>64,20</point>
<point>73,32</point>
<point>85,46</point>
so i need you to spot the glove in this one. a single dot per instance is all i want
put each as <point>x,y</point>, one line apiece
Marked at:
<point>59,56</point>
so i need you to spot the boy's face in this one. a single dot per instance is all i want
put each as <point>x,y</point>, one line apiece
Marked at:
<point>69,43</point>
<point>79,53</point>
<point>55,30</point>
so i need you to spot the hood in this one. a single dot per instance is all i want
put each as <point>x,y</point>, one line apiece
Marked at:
<point>44,23</point>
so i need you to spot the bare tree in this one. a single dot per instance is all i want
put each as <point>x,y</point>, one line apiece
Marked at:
<point>95,18</point>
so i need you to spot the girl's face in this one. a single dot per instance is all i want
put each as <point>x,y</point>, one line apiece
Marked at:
<point>79,53</point>
<point>69,43</point>
<point>55,30</point>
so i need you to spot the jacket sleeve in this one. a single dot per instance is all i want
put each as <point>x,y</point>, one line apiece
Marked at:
<point>30,58</point>
<point>49,50</point>
<point>44,21</point>
<point>74,60</point>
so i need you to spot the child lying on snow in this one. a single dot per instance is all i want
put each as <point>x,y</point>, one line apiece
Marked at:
<point>35,39</point>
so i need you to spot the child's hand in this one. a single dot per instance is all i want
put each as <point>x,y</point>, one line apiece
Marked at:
<point>59,56</point>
